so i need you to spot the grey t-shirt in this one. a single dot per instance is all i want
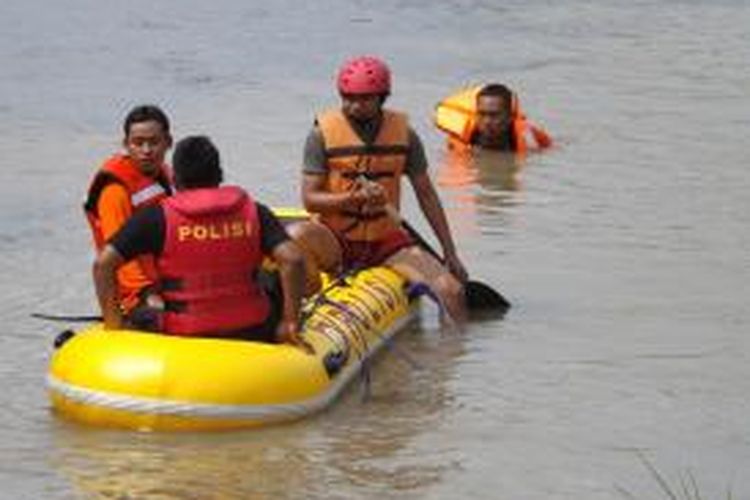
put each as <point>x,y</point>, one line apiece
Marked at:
<point>314,161</point>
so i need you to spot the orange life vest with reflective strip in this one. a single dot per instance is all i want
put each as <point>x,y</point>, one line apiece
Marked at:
<point>349,159</point>
<point>143,191</point>
<point>457,116</point>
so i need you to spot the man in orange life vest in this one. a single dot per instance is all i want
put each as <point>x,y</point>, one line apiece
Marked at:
<point>354,159</point>
<point>125,184</point>
<point>208,242</point>
<point>489,117</point>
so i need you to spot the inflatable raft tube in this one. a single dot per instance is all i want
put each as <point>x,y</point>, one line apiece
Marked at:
<point>148,381</point>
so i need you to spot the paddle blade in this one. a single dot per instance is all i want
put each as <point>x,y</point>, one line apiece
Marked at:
<point>64,317</point>
<point>484,298</point>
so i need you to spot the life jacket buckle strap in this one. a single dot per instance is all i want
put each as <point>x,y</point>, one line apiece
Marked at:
<point>170,284</point>
<point>175,306</point>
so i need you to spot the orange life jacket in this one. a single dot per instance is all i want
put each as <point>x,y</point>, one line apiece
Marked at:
<point>143,191</point>
<point>349,158</point>
<point>457,116</point>
<point>207,269</point>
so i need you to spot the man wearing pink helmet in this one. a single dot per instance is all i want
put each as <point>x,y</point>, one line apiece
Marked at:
<point>354,159</point>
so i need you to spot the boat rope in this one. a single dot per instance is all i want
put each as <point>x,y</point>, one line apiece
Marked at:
<point>365,369</point>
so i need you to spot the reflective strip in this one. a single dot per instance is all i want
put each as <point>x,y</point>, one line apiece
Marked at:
<point>287,411</point>
<point>133,404</point>
<point>147,193</point>
<point>368,149</point>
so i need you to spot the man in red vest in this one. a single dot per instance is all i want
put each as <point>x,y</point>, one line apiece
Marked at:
<point>208,242</point>
<point>355,158</point>
<point>126,183</point>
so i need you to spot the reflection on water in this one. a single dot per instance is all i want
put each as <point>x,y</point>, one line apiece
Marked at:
<point>494,177</point>
<point>380,449</point>
<point>113,464</point>
<point>480,181</point>
<point>357,448</point>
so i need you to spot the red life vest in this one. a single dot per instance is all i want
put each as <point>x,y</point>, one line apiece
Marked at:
<point>143,190</point>
<point>212,251</point>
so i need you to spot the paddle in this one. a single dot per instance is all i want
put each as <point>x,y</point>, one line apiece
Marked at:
<point>479,296</point>
<point>62,317</point>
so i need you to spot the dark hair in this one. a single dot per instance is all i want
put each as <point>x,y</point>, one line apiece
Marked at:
<point>196,163</point>
<point>146,113</point>
<point>497,90</point>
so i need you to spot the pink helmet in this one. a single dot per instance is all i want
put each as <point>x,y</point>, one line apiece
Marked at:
<point>364,75</point>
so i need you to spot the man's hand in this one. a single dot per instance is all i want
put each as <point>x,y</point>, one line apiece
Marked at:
<point>105,282</point>
<point>155,301</point>
<point>288,333</point>
<point>369,196</point>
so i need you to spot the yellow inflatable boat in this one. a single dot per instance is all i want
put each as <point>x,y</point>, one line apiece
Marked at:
<point>149,381</point>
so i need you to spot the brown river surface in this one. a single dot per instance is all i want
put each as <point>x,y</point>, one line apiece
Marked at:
<point>625,250</point>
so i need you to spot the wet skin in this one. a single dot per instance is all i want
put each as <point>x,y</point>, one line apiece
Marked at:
<point>493,122</point>
<point>361,107</point>
<point>147,143</point>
